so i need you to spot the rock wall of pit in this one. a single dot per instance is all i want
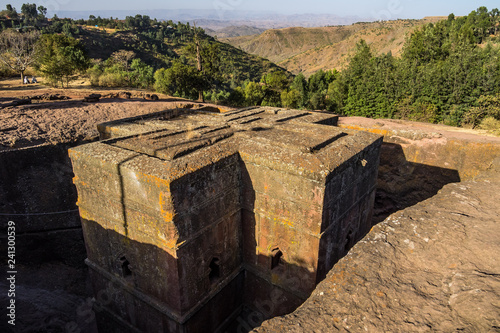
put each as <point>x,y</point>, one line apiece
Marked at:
<point>38,194</point>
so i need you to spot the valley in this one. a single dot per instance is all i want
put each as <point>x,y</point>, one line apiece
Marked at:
<point>307,50</point>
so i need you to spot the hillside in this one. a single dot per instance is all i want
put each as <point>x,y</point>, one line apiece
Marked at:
<point>234,31</point>
<point>159,47</point>
<point>306,50</point>
<point>112,45</point>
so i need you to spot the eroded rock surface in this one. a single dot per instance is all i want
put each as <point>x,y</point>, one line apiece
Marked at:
<point>430,267</point>
<point>71,122</point>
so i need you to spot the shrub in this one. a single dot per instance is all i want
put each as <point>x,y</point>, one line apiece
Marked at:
<point>142,74</point>
<point>220,97</point>
<point>237,97</point>
<point>290,99</point>
<point>94,73</point>
<point>421,110</point>
<point>254,93</point>
<point>112,80</point>
<point>473,117</point>
<point>489,106</point>
<point>6,71</point>
<point>490,124</point>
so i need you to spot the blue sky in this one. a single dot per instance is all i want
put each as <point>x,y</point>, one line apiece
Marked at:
<point>374,9</point>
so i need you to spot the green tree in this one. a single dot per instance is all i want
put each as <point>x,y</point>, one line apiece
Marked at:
<point>142,74</point>
<point>336,95</point>
<point>208,60</point>
<point>300,84</point>
<point>291,98</point>
<point>179,80</point>
<point>237,97</point>
<point>274,84</point>
<point>29,12</point>
<point>370,85</point>
<point>42,11</point>
<point>254,94</point>
<point>495,18</point>
<point>10,12</point>
<point>61,58</point>
<point>318,87</point>
<point>483,23</point>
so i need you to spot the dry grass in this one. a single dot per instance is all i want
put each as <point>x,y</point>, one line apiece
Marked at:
<point>108,30</point>
<point>491,125</point>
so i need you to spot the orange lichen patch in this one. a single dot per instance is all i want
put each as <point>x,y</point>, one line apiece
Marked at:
<point>338,277</point>
<point>74,154</point>
<point>165,206</point>
<point>171,243</point>
<point>154,180</point>
<point>84,214</point>
<point>371,130</point>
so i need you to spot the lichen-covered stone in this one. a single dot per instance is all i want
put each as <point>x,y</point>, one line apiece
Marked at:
<point>182,207</point>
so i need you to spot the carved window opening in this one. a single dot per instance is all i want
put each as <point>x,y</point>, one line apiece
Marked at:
<point>125,265</point>
<point>276,258</point>
<point>214,274</point>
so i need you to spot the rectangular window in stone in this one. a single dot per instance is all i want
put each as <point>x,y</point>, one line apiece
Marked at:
<point>276,258</point>
<point>214,274</point>
<point>125,267</point>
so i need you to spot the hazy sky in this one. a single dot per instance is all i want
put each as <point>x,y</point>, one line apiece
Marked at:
<point>375,9</point>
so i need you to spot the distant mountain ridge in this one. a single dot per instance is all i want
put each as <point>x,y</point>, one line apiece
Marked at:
<point>217,19</point>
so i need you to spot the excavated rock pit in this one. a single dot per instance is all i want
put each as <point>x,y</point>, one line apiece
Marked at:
<point>418,270</point>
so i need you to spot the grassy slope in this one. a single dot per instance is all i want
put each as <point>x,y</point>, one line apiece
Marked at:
<point>306,50</point>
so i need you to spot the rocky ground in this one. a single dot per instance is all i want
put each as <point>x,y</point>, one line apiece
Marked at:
<point>431,267</point>
<point>63,116</point>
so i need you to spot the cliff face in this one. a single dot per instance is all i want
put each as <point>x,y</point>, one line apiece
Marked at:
<point>430,267</point>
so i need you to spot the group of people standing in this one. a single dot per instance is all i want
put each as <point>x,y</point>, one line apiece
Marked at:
<point>27,80</point>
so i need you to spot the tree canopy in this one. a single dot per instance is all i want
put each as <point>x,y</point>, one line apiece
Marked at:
<point>61,57</point>
<point>19,50</point>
